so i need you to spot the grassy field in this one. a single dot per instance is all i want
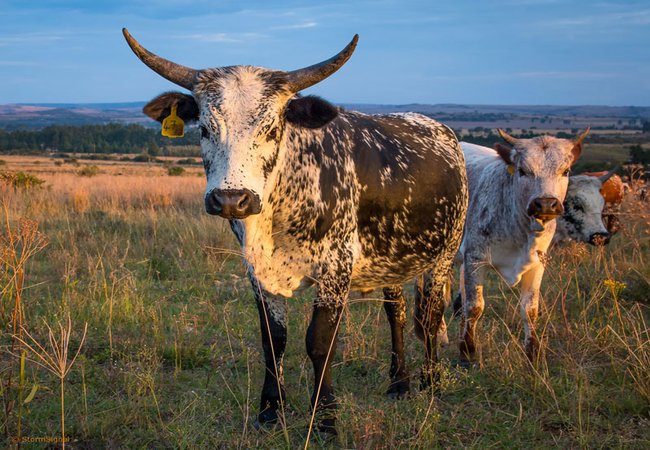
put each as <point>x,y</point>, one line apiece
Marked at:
<point>172,358</point>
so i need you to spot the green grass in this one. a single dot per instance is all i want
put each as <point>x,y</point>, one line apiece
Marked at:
<point>173,359</point>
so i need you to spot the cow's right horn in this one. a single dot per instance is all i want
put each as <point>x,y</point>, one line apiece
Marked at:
<point>506,137</point>
<point>608,175</point>
<point>177,74</point>
<point>303,78</point>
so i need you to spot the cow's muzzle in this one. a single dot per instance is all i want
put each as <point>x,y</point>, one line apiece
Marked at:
<point>232,203</point>
<point>545,208</point>
<point>599,239</point>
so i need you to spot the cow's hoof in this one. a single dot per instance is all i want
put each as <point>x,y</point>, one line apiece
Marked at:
<point>464,365</point>
<point>430,379</point>
<point>267,420</point>
<point>267,426</point>
<point>398,391</point>
<point>322,436</point>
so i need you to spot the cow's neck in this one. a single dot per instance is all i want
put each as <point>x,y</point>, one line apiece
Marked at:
<point>261,231</point>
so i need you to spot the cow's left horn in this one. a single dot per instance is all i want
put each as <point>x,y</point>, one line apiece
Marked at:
<point>506,137</point>
<point>177,74</point>
<point>578,139</point>
<point>303,78</point>
<point>608,175</point>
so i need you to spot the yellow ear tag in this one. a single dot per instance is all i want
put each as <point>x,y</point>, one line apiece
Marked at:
<point>173,126</point>
<point>511,169</point>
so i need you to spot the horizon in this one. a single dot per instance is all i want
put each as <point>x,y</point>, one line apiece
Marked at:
<point>527,52</point>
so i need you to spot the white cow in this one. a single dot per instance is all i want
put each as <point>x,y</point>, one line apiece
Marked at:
<point>514,195</point>
<point>582,220</point>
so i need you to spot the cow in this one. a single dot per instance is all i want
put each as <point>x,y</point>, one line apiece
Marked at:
<point>612,191</point>
<point>515,193</point>
<point>584,212</point>
<point>582,221</point>
<point>317,195</point>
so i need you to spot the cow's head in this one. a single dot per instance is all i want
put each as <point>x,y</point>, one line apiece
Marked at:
<point>242,111</point>
<point>540,167</point>
<point>582,220</point>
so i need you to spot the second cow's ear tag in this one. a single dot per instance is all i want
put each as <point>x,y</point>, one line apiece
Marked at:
<point>511,169</point>
<point>173,126</point>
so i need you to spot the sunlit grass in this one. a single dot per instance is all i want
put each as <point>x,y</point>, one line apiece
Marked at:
<point>172,356</point>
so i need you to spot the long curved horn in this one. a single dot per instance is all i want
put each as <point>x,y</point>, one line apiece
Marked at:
<point>506,137</point>
<point>608,175</point>
<point>578,139</point>
<point>177,74</point>
<point>303,78</point>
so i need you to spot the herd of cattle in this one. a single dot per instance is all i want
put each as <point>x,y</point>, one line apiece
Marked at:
<point>317,195</point>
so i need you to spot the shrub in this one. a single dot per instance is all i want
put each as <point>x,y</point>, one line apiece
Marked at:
<point>187,161</point>
<point>175,171</point>
<point>71,161</point>
<point>89,171</point>
<point>142,157</point>
<point>58,163</point>
<point>20,180</point>
<point>3,162</point>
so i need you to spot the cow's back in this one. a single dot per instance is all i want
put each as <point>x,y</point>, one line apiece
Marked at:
<point>412,196</point>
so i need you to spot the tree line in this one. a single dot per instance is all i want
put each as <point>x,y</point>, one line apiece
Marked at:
<point>108,138</point>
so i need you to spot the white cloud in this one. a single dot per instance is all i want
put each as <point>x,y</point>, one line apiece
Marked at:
<point>293,27</point>
<point>19,63</point>
<point>223,37</point>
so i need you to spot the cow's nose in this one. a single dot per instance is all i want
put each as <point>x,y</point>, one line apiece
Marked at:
<point>232,203</point>
<point>545,208</point>
<point>599,239</point>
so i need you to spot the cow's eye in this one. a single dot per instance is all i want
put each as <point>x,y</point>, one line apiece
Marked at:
<point>522,173</point>
<point>204,132</point>
<point>272,135</point>
<point>578,207</point>
<point>566,173</point>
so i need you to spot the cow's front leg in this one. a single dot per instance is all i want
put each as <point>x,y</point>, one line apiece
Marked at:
<point>471,283</point>
<point>395,307</point>
<point>273,322</point>
<point>321,340</point>
<point>429,309</point>
<point>530,284</point>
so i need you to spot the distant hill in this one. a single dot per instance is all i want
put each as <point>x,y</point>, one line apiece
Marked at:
<point>37,116</point>
<point>536,110</point>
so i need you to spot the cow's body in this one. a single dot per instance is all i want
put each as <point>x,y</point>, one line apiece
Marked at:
<point>317,195</point>
<point>361,185</point>
<point>508,225</point>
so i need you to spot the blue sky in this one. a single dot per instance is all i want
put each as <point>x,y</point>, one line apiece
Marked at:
<point>463,51</point>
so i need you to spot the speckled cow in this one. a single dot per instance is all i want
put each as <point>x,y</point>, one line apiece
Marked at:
<point>515,193</point>
<point>319,195</point>
<point>582,220</point>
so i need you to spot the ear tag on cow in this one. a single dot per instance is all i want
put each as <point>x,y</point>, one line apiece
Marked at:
<point>511,169</point>
<point>173,126</point>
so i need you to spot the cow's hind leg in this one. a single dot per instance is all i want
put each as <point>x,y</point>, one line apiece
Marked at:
<point>321,341</point>
<point>472,276</point>
<point>395,307</point>
<point>273,322</point>
<point>429,308</point>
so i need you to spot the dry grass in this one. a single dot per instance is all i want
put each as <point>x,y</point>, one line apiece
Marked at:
<point>172,356</point>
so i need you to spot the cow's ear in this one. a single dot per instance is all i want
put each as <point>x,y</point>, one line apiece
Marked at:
<point>576,151</point>
<point>504,152</point>
<point>161,107</point>
<point>310,112</point>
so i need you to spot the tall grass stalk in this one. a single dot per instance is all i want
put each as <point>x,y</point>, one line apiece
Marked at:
<point>55,360</point>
